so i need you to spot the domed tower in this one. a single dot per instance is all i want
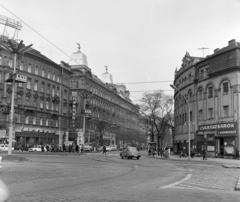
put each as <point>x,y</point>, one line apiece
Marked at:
<point>106,77</point>
<point>79,60</point>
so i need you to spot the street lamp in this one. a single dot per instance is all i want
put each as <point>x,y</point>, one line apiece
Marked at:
<point>14,49</point>
<point>189,135</point>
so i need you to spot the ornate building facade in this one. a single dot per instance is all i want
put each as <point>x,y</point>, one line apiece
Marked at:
<point>210,87</point>
<point>64,102</point>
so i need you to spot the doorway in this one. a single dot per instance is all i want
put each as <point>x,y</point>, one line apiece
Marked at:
<point>220,147</point>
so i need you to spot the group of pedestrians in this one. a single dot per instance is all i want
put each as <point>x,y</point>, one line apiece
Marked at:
<point>73,148</point>
<point>160,151</point>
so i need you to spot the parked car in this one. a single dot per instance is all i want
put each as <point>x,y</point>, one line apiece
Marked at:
<point>111,148</point>
<point>4,147</point>
<point>130,152</point>
<point>88,147</point>
<point>37,148</point>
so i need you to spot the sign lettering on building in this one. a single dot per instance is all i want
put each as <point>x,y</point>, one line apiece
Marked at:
<point>20,78</point>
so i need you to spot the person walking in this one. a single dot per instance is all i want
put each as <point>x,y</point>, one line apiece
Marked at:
<point>204,154</point>
<point>237,154</point>
<point>104,150</point>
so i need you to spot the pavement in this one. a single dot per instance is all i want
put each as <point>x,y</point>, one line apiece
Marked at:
<point>226,163</point>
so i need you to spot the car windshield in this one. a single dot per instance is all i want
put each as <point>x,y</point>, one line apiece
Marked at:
<point>132,149</point>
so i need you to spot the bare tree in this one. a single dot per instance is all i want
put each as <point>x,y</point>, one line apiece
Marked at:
<point>102,127</point>
<point>157,107</point>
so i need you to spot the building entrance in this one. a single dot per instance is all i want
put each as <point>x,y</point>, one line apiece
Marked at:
<point>220,147</point>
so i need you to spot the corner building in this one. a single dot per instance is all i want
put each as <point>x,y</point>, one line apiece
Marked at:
<point>211,85</point>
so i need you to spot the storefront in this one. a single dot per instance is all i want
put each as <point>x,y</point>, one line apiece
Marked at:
<point>27,137</point>
<point>219,139</point>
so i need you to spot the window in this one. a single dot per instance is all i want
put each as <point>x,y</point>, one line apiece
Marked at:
<point>225,87</point>
<point>42,87</point>
<point>29,68</point>
<point>48,75</point>
<point>18,118</point>
<point>47,105</point>
<point>36,85</point>
<point>0,59</point>
<point>21,66</point>
<point>58,79</point>
<point>43,72</point>
<point>200,94</point>
<point>34,120</point>
<point>53,91</point>
<point>20,85</point>
<point>200,115</point>
<point>56,123</point>
<point>57,107</point>
<point>27,120</point>
<point>46,122</point>
<point>28,84</point>
<point>52,106</point>
<point>36,70</point>
<point>48,88</point>
<point>54,77</point>
<point>210,92</point>
<point>41,121</point>
<point>10,63</point>
<point>226,111</point>
<point>27,101</point>
<point>57,91</point>
<point>210,113</point>
<point>41,104</point>
<point>185,118</point>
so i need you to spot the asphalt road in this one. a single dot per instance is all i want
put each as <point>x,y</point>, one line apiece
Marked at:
<point>108,178</point>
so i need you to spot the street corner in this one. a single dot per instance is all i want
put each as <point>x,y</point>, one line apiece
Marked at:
<point>237,187</point>
<point>231,166</point>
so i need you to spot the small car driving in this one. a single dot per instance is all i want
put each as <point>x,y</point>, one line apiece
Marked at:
<point>130,152</point>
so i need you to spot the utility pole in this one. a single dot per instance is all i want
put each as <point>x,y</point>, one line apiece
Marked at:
<point>203,48</point>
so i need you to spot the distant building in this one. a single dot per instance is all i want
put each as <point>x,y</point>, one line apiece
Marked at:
<point>211,86</point>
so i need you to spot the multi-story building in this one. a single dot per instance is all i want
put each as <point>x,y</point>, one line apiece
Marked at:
<point>50,108</point>
<point>209,87</point>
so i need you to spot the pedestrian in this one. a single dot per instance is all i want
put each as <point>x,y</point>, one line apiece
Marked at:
<point>204,154</point>
<point>153,151</point>
<point>104,150</point>
<point>47,147</point>
<point>42,147</point>
<point>149,151</point>
<point>22,148</point>
<point>64,147</point>
<point>192,153</point>
<point>237,153</point>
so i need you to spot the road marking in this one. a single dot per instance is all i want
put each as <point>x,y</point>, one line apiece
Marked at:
<point>176,183</point>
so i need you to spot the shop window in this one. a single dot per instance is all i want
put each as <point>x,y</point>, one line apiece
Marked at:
<point>210,92</point>
<point>229,146</point>
<point>225,88</point>
<point>226,111</point>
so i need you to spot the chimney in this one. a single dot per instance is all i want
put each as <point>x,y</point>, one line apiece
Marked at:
<point>231,42</point>
<point>216,50</point>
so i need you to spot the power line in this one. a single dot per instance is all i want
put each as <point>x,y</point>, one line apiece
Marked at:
<point>145,82</point>
<point>37,33</point>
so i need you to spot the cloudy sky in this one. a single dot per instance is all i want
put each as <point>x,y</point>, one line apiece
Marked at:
<point>139,40</point>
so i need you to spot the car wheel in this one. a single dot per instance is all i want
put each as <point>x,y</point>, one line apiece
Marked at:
<point>35,150</point>
<point>138,158</point>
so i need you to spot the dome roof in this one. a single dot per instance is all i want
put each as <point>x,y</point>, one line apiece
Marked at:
<point>78,58</point>
<point>106,77</point>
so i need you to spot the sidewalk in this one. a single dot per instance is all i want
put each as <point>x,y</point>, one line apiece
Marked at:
<point>227,163</point>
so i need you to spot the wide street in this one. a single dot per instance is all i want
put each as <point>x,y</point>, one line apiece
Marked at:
<point>95,177</point>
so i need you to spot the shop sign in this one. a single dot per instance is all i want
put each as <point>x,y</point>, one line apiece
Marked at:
<point>20,78</point>
<point>229,126</point>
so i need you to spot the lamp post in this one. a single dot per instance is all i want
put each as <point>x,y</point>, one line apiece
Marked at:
<point>189,135</point>
<point>14,49</point>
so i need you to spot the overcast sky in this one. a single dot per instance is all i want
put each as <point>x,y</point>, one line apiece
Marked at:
<point>139,40</point>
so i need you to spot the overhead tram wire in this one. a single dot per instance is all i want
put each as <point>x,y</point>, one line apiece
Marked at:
<point>140,82</point>
<point>38,33</point>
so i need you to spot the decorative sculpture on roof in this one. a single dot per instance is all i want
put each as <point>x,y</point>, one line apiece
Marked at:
<point>79,47</point>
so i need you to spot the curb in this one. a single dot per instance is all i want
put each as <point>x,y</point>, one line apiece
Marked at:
<point>231,166</point>
<point>237,187</point>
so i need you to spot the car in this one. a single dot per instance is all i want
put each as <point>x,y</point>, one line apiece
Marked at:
<point>88,147</point>
<point>4,147</point>
<point>37,148</point>
<point>109,148</point>
<point>130,152</point>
